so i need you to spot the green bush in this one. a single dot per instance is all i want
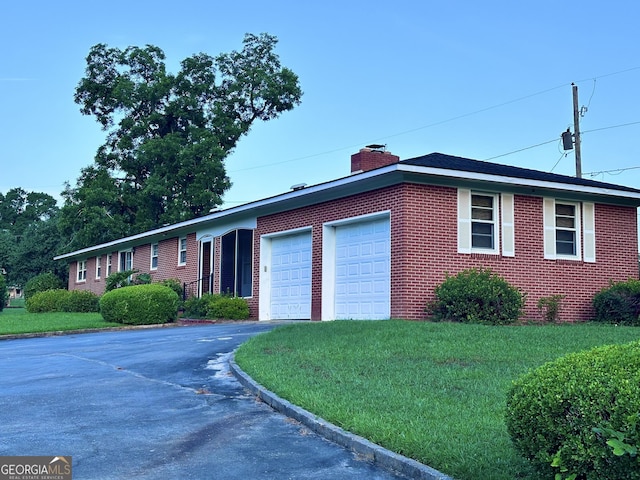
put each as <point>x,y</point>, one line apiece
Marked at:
<point>476,296</point>
<point>174,284</point>
<point>618,303</point>
<point>216,306</point>
<point>47,301</point>
<point>81,301</point>
<point>196,307</point>
<point>549,307</point>
<point>226,307</point>
<point>60,300</point>
<point>140,305</point>
<point>41,283</point>
<point>4,294</point>
<point>568,416</point>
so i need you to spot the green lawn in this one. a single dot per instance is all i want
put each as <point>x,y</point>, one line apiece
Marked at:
<point>18,320</point>
<point>434,392</point>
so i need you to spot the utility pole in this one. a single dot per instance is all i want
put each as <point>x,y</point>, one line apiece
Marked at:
<point>576,126</point>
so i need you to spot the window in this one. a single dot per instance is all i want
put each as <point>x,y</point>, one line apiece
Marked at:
<point>236,269</point>
<point>480,221</point>
<point>82,270</point>
<point>569,230</point>
<point>566,229</point>
<point>126,261</point>
<point>98,267</point>
<point>182,251</point>
<point>483,219</point>
<point>108,265</point>
<point>154,256</point>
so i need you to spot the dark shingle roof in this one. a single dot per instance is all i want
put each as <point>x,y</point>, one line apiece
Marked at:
<point>450,162</point>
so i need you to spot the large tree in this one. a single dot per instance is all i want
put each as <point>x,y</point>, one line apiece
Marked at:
<point>168,135</point>
<point>29,236</point>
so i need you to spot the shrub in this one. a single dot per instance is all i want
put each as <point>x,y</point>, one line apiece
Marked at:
<point>550,307</point>
<point>476,296</point>
<point>196,307</point>
<point>47,301</point>
<point>226,307</point>
<point>174,284</point>
<point>568,416</point>
<point>142,279</point>
<point>140,305</point>
<point>618,303</point>
<point>118,280</point>
<point>41,283</point>
<point>60,300</point>
<point>81,301</point>
<point>4,294</point>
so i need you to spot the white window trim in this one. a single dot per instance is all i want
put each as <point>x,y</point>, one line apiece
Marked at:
<point>81,274</point>
<point>98,267</point>
<point>109,265</point>
<point>151,267</point>
<point>124,252</point>
<point>465,222</point>
<point>549,221</point>
<point>180,250</point>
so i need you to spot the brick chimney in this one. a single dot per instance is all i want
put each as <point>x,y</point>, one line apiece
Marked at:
<point>369,158</point>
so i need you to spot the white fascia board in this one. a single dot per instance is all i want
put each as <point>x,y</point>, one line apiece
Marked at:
<point>247,207</point>
<point>516,181</point>
<point>341,182</point>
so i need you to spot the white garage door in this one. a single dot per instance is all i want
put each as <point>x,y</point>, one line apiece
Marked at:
<point>291,277</point>
<point>363,270</point>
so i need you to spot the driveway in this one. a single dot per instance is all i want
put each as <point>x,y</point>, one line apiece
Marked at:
<point>155,404</point>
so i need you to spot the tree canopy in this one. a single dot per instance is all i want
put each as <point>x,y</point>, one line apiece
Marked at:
<point>167,134</point>
<point>29,237</point>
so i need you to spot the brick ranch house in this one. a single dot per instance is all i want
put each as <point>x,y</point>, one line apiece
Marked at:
<point>375,244</point>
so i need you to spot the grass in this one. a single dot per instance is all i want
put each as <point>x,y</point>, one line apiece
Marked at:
<point>434,392</point>
<point>18,320</point>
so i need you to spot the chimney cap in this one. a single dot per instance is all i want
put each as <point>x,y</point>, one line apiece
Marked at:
<point>378,147</point>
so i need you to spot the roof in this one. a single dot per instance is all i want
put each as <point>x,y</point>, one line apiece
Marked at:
<point>431,168</point>
<point>450,162</point>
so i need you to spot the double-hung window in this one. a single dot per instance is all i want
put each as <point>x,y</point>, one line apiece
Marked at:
<point>82,270</point>
<point>566,229</point>
<point>126,261</point>
<point>108,264</point>
<point>98,267</point>
<point>154,256</point>
<point>483,221</point>
<point>182,251</point>
<point>569,230</point>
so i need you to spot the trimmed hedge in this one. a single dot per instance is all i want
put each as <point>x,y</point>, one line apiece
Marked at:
<point>140,305</point>
<point>217,306</point>
<point>476,296</point>
<point>229,308</point>
<point>618,303</point>
<point>60,300</point>
<point>569,416</point>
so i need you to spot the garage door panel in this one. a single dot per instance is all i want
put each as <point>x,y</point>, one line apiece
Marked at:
<point>362,270</point>
<point>291,277</point>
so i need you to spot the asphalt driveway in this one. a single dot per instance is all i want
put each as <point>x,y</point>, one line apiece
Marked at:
<point>155,404</point>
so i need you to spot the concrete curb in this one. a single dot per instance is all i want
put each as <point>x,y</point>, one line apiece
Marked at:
<point>359,445</point>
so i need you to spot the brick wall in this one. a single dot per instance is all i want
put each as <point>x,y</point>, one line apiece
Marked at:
<point>167,265</point>
<point>424,249</point>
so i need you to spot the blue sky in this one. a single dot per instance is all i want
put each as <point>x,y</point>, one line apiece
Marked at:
<point>468,78</point>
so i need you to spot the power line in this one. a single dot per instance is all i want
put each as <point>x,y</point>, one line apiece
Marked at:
<point>457,117</point>
<point>556,139</point>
